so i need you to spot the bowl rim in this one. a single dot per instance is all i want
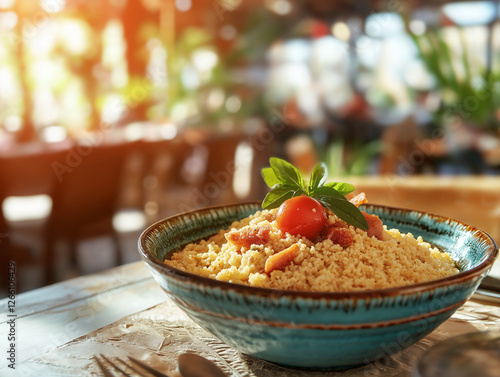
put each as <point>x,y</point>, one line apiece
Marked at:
<point>460,277</point>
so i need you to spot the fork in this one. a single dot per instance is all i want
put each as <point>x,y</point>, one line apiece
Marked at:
<point>106,371</point>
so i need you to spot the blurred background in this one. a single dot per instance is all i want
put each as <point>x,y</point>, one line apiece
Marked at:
<point>117,113</point>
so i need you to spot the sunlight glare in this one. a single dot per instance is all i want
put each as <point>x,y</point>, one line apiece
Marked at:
<point>6,4</point>
<point>129,221</point>
<point>114,46</point>
<point>134,131</point>
<point>168,131</point>
<point>114,108</point>
<point>41,39</point>
<point>45,107</point>
<point>204,60</point>
<point>242,180</point>
<point>8,20</point>
<point>54,134</point>
<point>74,37</point>
<point>53,6</point>
<point>7,82</point>
<point>13,123</point>
<point>22,208</point>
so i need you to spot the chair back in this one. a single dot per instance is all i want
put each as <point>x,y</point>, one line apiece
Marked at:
<point>88,191</point>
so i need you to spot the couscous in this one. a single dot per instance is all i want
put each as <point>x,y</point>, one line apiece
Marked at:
<point>254,251</point>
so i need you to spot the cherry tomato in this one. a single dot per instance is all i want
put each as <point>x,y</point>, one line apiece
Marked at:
<point>301,215</point>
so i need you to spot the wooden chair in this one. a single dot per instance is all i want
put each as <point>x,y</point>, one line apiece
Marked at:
<point>162,180</point>
<point>85,200</point>
<point>25,170</point>
<point>180,189</point>
<point>216,184</point>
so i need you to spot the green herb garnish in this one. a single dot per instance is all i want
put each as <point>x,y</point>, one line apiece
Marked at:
<point>286,181</point>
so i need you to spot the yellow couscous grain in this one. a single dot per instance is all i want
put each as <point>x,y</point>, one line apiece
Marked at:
<point>368,263</point>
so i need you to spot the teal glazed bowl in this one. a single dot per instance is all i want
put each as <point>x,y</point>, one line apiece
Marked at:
<point>312,329</point>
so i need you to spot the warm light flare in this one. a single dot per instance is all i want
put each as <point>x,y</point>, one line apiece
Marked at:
<point>22,208</point>
<point>6,4</point>
<point>8,20</point>
<point>53,6</point>
<point>54,134</point>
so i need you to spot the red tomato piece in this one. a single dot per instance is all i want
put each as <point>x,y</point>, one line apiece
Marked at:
<point>250,236</point>
<point>303,216</point>
<point>339,236</point>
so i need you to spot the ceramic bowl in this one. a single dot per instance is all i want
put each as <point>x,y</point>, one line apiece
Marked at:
<point>311,329</point>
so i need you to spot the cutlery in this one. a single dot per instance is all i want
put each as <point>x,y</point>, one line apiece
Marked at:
<point>489,290</point>
<point>490,283</point>
<point>107,372</point>
<point>192,365</point>
<point>470,354</point>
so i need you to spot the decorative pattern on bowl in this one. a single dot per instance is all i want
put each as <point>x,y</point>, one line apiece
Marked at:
<point>314,329</point>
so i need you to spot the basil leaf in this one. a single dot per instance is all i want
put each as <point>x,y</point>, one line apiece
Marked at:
<point>286,181</point>
<point>327,191</point>
<point>342,188</point>
<point>269,177</point>
<point>339,205</point>
<point>286,173</point>
<point>345,210</point>
<point>274,199</point>
<point>279,194</point>
<point>318,176</point>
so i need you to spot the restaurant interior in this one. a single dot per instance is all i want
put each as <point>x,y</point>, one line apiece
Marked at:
<point>115,114</point>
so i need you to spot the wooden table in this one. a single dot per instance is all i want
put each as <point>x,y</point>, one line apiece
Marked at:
<point>474,200</point>
<point>122,311</point>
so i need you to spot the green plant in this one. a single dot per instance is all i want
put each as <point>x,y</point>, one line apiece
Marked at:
<point>351,159</point>
<point>467,87</point>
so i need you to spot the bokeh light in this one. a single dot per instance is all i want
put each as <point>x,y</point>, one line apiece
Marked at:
<point>183,5</point>
<point>341,31</point>
<point>233,104</point>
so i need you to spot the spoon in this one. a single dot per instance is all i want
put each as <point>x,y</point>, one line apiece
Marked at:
<point>192,365</point>
<point>489,290</point>
<point>471,354</point>
<point>490,283</point>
